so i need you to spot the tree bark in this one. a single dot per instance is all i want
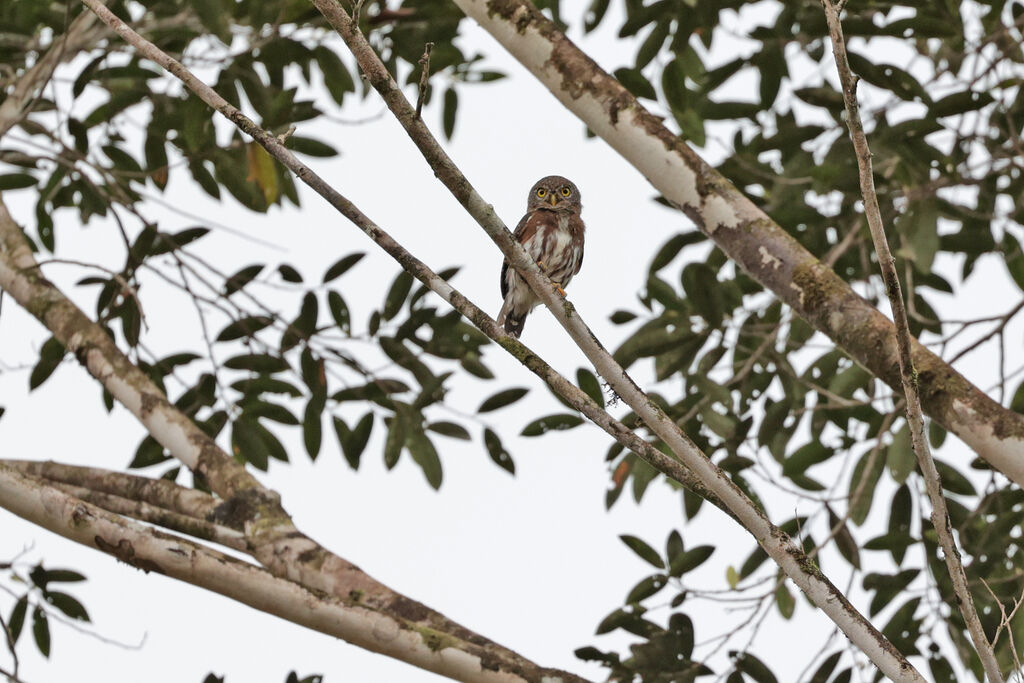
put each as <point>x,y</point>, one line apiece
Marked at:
<point>154,551</point>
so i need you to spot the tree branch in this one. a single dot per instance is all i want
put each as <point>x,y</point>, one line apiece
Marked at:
<point>908,374</point>
<point>745,233</point>
<point>153,551</point>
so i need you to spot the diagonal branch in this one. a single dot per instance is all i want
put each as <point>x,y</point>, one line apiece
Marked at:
<point>745,233</point>
<point>908,374</point>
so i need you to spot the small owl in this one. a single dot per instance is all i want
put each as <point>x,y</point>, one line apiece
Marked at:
<point>552,233</point>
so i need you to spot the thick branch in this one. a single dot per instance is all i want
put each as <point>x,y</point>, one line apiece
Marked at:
<point>744,232</point>
<point>132,496</point>
<point>154,551</point>
<point>908,374</point>
<point>775,542</point>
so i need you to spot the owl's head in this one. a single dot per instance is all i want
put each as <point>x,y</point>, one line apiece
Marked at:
<point>554,193</point>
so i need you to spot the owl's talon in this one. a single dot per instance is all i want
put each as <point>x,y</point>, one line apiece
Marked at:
<point>558,288</point>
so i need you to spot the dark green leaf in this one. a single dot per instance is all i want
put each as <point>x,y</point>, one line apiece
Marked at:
<point>342,266</point>
<point>646,552</point>
<point>552,423</point>
<point>497,451</point>
<point>502,399</point>
<point>246,327</point>
<point>50,356</point>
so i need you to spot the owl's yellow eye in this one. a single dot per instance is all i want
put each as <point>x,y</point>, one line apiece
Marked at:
<point>566,191</point>
<point>542,192</point>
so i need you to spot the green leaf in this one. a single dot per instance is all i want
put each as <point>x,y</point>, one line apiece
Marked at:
<point>691,559</point>
<point>17,181</point>
<point>423,452</point>
<point>449,429</point>
<point>646,588</point>
<point>861,506</point>
<point>247,444</point>
<point>557,422</point>
<point>497,451</point>
<point>900,456</point>
<point>804,457</point>
<point>148,453</point>
<point>502,399</point>
<point>337,78</point>
<point>646,552</point>
<point>353,442</point>
<point>1014,260</point>
<point>825,670</point>
<point>953,481</point>
<point>17,619</point>
<point>68,605</point>
<point>41,631</point>
<point>397,295</point>
<point>449,108</point>
<point>310,147</point>
<point>339,311</point>
<point>50,356</point>
<point>784,601</point>
<point>590,385</point>
<point>246,327</point>
<point>257,362</point>
<point>342,266</point>
<point>312,426</point>
<point>241,278</point>
<point>753,667</point>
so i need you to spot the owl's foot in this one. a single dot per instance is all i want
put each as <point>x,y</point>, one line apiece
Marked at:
<point>558,288</point>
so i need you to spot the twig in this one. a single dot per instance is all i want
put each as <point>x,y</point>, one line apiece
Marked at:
<point>424,63</point>
<point>933,484</point>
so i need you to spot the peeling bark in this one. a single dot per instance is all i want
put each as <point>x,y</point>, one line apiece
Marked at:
<point>343,617</point>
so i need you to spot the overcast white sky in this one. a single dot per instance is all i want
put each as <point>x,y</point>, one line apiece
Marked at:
<point>532,562</point>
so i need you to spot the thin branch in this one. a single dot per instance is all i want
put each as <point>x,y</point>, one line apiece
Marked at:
<point>424,63</point>
<point>908,374</point>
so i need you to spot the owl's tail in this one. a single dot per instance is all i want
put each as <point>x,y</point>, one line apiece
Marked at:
<point>514,324</point>
<point>508,318</point>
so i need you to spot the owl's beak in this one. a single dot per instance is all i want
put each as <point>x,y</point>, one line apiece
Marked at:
<point>552,198</point>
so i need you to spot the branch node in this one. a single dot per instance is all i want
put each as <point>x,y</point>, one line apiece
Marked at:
<point>424,63</point>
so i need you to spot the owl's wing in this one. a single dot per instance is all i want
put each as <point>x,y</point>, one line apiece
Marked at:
<point>525,230</point>
<point>576,229</point>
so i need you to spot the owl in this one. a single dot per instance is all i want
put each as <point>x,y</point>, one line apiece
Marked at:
<point>552,233</point>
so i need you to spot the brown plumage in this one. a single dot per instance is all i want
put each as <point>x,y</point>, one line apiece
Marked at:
<point>552,233</point>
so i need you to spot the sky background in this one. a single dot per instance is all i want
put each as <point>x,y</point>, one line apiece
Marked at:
<point>533,562</point>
